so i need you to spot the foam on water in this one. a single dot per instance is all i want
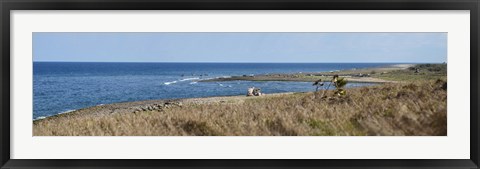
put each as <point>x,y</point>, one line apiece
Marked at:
<point>68,111</point>
<point>181,80</point>
<point>188,79</point>
<point>169,83</point>
<point>39,118</point>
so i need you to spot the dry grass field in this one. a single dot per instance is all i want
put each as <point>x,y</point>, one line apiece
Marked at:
<point>391,109</point>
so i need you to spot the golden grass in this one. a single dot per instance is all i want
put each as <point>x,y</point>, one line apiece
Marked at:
<point>405,109</point>
<point>427,72</point>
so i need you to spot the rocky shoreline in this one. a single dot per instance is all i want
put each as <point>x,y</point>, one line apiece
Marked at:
<point>153,105</point>
<point>123,107</point>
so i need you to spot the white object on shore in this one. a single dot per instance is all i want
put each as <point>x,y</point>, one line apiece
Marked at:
<point>250,91</point>
<point>257,92</point>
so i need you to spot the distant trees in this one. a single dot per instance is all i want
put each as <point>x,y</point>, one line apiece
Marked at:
<point>430,67</point>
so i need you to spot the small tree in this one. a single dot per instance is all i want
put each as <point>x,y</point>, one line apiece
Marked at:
<point>338,82</point>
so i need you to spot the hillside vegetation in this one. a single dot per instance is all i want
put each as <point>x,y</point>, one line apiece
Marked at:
<point>410,109</point>
<point>425,72</point>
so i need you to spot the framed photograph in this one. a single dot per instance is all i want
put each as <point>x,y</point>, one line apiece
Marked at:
<point>239,84</point>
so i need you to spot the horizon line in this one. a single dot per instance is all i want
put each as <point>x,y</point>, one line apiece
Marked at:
<point>224,62</point>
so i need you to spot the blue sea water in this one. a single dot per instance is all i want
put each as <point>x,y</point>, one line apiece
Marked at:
<point>64,86</point>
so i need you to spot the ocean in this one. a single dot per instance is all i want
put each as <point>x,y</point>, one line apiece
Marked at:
<point>60,87</point>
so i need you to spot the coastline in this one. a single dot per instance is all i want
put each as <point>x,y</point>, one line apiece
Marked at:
<point>363,75</point>
<point>161,104</point>
<point>385,110</point>
<point>146,105</point>
<point>154,105</point>
<point>129,107</point>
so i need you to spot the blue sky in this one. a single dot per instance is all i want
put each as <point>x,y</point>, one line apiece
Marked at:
<point>240,47</point>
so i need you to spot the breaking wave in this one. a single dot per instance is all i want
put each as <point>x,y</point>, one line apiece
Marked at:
<point>169,83</point>
<point>41,117</point>
<point>187,79</point>
<point>181,80</point>
<point>68,111</point>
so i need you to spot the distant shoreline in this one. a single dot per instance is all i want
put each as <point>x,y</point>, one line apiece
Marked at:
<point>362,75</point>
<point>389,63</point>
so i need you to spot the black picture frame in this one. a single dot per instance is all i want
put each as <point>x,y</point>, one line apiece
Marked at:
<point>7,5</point>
